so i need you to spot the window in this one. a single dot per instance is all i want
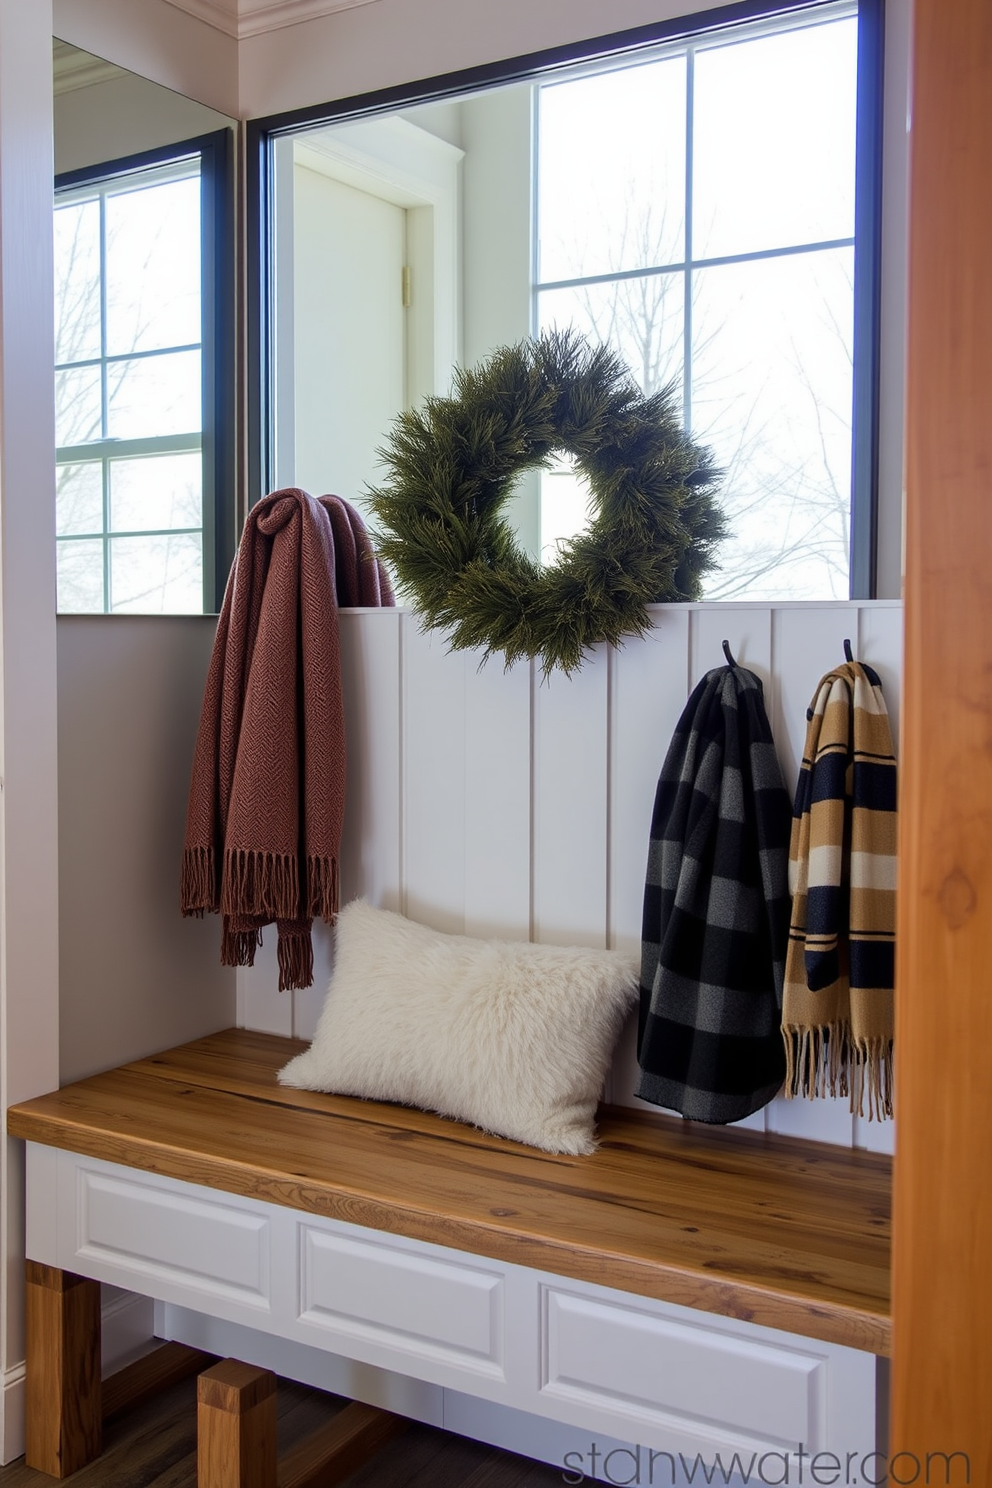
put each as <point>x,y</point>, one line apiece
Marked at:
<point>702,194</point>
<point>696,211</point>
<point>144,498</point>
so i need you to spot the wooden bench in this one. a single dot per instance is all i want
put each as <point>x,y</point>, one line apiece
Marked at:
<point>413,1243</point>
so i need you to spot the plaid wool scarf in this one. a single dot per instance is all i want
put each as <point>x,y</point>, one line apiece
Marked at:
<point>838,1009</point>
<point>716,910</point>
<point>266,802</point>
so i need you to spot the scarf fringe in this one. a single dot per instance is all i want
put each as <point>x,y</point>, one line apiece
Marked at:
<point>829,1061</point>
<point>294,950</point>
<point>198,884</point>
<point>323,888</point>
<point>265,884</point>
<point>295,955</point>
<point>872,1068</point>
<point>238,946</point>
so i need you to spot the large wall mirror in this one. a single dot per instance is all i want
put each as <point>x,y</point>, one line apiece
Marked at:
<point>145,372</point>
<point>702,204</point>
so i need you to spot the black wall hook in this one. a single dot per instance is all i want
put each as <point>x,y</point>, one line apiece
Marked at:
<point>848,653</point>
<point>728,654</point>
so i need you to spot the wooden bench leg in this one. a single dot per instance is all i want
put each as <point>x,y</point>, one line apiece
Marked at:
<point>64,1426</point>
<point>236,1427</point>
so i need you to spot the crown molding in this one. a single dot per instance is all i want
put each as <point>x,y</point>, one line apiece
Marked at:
<point>72,69</point>
<point>242,18</point>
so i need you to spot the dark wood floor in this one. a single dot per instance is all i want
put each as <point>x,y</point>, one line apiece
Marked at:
<point>154,1446</point>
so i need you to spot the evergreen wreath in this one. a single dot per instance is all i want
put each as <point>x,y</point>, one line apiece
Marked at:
<point>452,465</point>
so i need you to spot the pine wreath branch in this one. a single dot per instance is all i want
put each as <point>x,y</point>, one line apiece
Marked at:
<point>451,466</point>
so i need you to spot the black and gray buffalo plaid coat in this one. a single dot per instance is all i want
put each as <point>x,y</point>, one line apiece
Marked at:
<point>716,910</point>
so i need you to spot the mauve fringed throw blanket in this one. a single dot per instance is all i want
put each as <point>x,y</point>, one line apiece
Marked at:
<point>838,1015</point>
<point>716,910</point>
<point>266,803</point>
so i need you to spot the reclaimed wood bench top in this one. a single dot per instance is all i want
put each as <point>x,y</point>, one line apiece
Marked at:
<point>774,1230</point>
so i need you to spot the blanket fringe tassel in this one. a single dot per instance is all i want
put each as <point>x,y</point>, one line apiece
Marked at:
<point>323,888</point>
<point>830,1061</point>
<point>267,885</point>
<point>262,884</point>
<point>198,883</point>
<point>294,949</point>
<point>295,955</point>
<point>238,945</point>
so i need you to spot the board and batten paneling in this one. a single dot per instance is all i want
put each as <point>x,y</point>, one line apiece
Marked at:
<point>495,803</point>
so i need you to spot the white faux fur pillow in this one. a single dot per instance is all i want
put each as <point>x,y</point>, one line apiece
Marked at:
<point>513,1037</point>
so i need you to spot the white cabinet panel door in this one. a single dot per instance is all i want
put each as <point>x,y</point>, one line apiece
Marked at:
<point>206,1244</point>
<point>435,1309</point>
<point>656,1369</point>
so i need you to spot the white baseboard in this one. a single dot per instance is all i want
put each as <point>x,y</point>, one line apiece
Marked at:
<point>12,1414</point>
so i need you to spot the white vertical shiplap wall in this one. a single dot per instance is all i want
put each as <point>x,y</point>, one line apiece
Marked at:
<point>485,802</point>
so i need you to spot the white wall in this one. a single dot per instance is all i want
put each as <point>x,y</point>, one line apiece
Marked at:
<point>397,41</point>
<point>343,381</point>
<point>497,138</point>
<point>157,41</point>
<point>355,207</point>
<point>135,976</point>
<point>123,117</point>
<point>349,248</point>
<point>497,170</point>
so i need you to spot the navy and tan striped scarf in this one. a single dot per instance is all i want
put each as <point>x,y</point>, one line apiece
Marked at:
<point>837,1017</point>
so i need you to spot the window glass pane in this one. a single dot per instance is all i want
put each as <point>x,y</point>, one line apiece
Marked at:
<point>772,396</point>
<point>80,576</point>
<point>774,137</point>
<point>157,575</point>
<point>154,395</point>
<point>77,281</point>
<point>79,498</point>
<point>641,319</point>
<point>155,492</point>
<point>565,498</point>
<point>78,407</point>
<point>153,267</point>
<point>611,171</point>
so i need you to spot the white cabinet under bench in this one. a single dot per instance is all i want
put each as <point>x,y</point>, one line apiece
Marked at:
<point>688,1290</point>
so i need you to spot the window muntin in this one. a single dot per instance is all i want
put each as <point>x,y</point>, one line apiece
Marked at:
<point>133,511</point>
